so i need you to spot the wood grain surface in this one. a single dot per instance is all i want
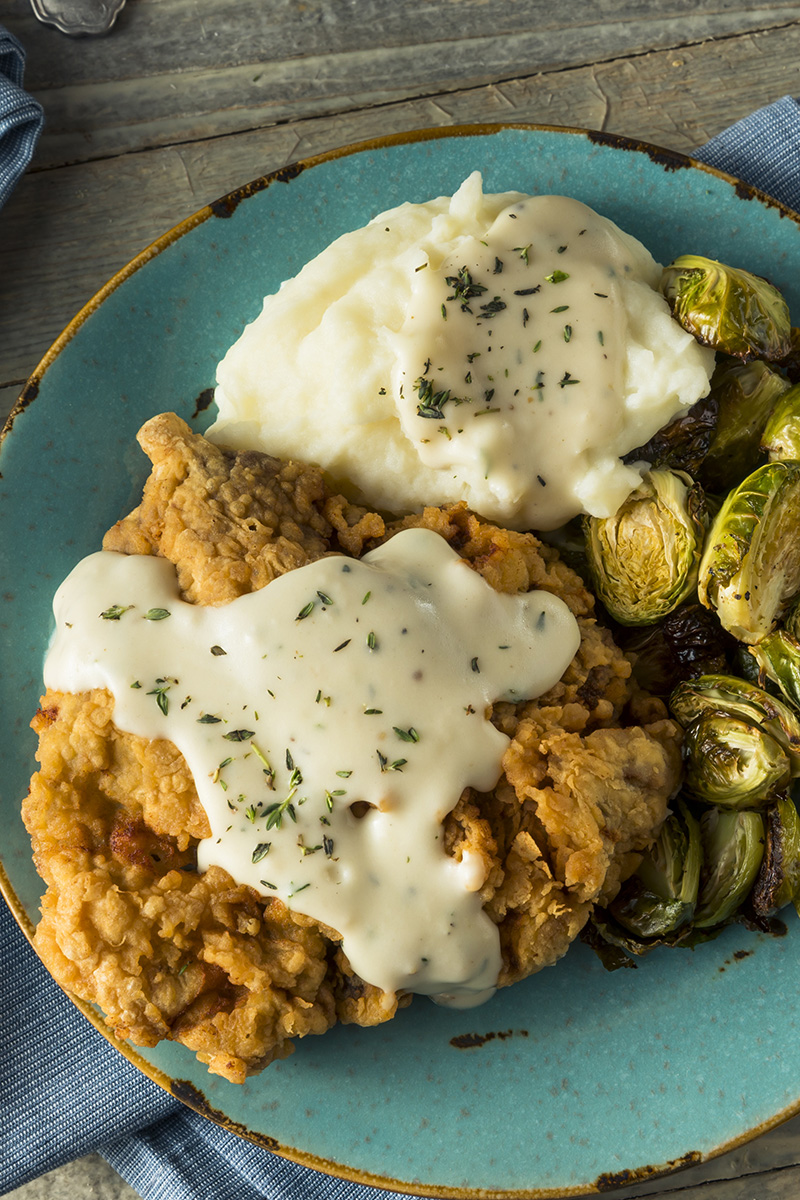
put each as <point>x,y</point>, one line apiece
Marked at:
<point>187,99</point>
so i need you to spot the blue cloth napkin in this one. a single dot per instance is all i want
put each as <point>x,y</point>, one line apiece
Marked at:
<point>21,116</point>
<point>65,1092</point>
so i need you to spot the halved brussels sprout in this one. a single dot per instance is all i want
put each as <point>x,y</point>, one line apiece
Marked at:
<point>727,694</point>
<point>750,568</point>
<point>747,394</point>
<point>733,847</point>
<point>778,659</point>
<point>778,882</point>
<point>732,763</point>
<point>780,439</point>
<point>728,308</point>
<point>644,560</point>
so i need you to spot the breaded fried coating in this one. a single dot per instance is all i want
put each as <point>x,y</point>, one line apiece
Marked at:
<point>127,921</point>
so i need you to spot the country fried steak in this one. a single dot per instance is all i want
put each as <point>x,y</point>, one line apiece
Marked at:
<point>128,922</point>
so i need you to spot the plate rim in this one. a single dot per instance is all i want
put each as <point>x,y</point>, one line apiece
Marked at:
<point>225,206</point>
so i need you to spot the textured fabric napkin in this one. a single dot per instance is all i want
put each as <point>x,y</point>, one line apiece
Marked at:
<point>65,1092</point>
<point>21,116</point>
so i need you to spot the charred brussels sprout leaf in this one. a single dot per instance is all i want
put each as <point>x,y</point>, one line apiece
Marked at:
<point>780,439</point>
<point>727,308</point>
<point>689,642</point>
<point>778,882</point>
<point>778,659</point>
<point>750,568</point>
<point>746,394</point>
<point>644,560</point>
<point>731,763</point>
<point>684,443</point>
<point>737,697</point>
<point>733,846</point>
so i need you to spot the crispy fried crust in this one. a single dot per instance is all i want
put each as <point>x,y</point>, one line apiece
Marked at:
<point>127,921</point>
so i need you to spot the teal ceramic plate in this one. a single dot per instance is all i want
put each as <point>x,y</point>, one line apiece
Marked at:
<point>577,1079</point>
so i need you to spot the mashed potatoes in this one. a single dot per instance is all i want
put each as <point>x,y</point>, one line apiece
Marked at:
<point>498,349</point>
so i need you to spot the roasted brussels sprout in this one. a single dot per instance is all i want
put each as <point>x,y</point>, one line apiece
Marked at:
<point>780,439</point>
<point>670,870</point>
<point>689,642</point>
<point>727,308</point>
<point>778,882</point>
<point>733,847</point>
<point>746,394</point>
<point>778,659</point>
<point>750,568</point>
<point>644,560</point>
<point>732,763</point>
<point>737,697</point>
<point>684,443</point>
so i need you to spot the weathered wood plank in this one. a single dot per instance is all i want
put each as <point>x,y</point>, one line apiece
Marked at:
<point>186,71</point>
<point>66,231</point>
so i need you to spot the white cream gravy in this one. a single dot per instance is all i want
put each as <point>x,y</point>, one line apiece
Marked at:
<point>331,721</point>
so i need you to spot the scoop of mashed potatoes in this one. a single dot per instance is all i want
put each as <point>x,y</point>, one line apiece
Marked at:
<point>498,349</point>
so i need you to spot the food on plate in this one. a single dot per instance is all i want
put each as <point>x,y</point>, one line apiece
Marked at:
<point>728,308</point>
<point>236,968</point>
<point>500,349</point>
<point>301,759</point>
<point>643,560</point>
<point>750,569</point>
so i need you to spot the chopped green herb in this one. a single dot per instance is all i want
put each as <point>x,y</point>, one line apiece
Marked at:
<point>406,735</point>
<point>239,735</point>
<point>557,277</point>
<point>305,611</point>
<point>156,614</point>
<point>115,612</point>
<point>261,851</point>
<point>217,650</point>
<point>464,289</point>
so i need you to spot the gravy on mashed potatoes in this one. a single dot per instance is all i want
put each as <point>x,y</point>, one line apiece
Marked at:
<point>504,350</point>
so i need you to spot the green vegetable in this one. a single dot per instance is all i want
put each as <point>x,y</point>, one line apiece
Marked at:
<point>732,763</point>
<point>727,308</point>
<point>737,697</point>
<point>750,568</point>
<point>644,560</point>
<point>746,395</point>
<point>733,847</point>
<point>780,439</point>
<point>778,882</point>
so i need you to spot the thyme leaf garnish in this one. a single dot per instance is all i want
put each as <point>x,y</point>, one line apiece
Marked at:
<point>156,614</point>
<point>115,612</point>
<point>239,735</point>
<point>406,735</point>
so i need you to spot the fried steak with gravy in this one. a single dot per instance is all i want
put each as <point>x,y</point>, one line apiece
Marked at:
<point>129,924</point>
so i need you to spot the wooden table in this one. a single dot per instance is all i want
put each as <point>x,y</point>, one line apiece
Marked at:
<point>187,99</point>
